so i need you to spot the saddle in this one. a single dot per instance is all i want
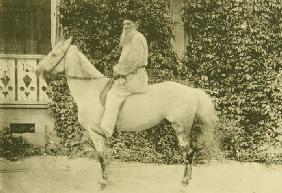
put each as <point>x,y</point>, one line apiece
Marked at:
<point>103,95</point>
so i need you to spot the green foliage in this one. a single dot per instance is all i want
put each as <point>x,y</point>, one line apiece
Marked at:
<point>234,50</point>
<point>64,110</point>
<point>14,147</point>
<point>96,27</point>
<point>156,145</point>
<point>159,145</point>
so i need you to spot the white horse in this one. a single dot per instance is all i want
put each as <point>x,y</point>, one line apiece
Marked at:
<point>168,100</point>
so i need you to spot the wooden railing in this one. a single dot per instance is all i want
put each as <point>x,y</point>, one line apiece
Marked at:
<point>19,86</point>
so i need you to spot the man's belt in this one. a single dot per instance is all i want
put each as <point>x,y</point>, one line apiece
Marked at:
<point>124,76</point>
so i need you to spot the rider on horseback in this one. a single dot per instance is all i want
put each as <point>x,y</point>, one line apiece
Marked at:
<point>130,74</point>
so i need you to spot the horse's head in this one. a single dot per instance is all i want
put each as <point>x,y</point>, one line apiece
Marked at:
<point>53,63</point>
<point>66,58</point>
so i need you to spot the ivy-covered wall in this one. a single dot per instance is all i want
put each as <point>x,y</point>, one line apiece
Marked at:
<point>234,50</point>
<point>96,27</point>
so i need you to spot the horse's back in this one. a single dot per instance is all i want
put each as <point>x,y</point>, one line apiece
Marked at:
<point>144,110</point>
<point>159,94</point>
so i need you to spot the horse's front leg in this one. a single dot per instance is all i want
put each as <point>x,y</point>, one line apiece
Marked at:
<point>103,156</point>
<point>102,149</point>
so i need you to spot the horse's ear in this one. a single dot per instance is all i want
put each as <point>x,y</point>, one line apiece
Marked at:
<point>59,43</point>
<point>68,41</point>
<point>66,44</point>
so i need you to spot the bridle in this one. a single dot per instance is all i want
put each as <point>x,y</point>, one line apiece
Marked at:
<point>62,57</point>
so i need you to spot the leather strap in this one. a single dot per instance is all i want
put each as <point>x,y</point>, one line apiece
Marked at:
<point>124,76</point>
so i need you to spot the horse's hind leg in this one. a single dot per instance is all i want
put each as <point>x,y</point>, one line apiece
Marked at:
<point>188,158</point>
<point>184,140</point>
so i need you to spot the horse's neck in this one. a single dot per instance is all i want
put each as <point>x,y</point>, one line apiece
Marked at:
<point>78,66</point>
<point>86,90</point>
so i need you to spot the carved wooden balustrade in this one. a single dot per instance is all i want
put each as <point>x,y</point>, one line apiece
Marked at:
<point>19,86</point>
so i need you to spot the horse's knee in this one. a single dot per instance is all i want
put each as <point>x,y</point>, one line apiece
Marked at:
<point>100,143</point>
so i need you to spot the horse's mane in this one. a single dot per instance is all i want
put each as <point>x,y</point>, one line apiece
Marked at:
<point>78,66</point>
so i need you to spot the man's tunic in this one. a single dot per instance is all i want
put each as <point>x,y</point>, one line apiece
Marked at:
<point>133,59</point>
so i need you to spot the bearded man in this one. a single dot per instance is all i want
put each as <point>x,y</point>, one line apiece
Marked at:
<point>130,74</point>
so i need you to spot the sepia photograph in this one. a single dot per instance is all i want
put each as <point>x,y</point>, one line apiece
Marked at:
<point>140,96</point>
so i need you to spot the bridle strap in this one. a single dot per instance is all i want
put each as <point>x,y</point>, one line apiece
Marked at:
<point>63,56</point>
<point>74,77</point>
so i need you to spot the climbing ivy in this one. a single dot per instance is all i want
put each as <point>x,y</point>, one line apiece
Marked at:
<point>96,27</point>
<point>234,51</point>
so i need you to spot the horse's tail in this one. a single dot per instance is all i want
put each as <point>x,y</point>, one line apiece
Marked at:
<point>207,114</point>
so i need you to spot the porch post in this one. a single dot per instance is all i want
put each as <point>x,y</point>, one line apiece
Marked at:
<point>178,27</point>
<point>55,26</point>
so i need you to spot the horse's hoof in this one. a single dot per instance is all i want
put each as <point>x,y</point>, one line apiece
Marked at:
<point>102,185</point>
<point>185,182</point>
<point>183,189</point>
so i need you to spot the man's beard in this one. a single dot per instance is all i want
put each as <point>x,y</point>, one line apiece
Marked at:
<point>126,37</point>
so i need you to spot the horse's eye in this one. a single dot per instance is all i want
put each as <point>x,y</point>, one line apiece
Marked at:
<point>53,55</point>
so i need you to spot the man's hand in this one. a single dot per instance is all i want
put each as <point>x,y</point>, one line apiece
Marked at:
<point>115,70</point>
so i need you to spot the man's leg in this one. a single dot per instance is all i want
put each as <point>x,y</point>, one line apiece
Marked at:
<point>115,97</point>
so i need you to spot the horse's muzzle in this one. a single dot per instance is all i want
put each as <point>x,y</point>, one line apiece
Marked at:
<point>47,77</point>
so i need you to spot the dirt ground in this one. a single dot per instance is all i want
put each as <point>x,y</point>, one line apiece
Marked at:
<point>80,175</point>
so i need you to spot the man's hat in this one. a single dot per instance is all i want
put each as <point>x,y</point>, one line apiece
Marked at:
<point>131,17</point>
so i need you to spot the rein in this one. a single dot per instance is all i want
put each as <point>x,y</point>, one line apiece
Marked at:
<point>87,78</point>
